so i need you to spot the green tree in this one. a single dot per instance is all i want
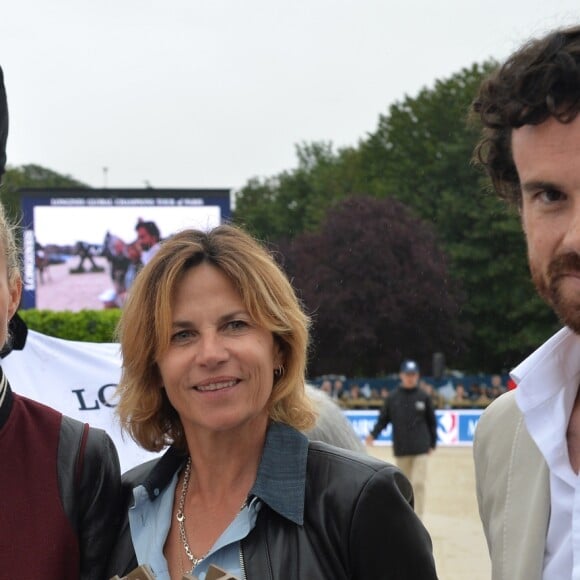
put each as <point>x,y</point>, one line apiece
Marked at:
<point>420,154</point>
<point>377,286</point>
<point>283,206</point>
<point>30,176</point>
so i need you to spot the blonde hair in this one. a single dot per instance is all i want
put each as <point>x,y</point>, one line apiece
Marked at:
<point>9,246</point>
<point>145,328</point>
<point>8,243</point>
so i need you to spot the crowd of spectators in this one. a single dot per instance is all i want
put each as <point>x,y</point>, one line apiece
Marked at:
<point>470,392</point>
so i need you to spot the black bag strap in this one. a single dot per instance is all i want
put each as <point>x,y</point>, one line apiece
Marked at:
<point>71,454</point>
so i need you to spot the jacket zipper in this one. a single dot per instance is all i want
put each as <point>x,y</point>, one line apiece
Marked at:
<point>242,563</point>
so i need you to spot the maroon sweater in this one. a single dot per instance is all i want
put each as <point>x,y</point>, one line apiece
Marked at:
<point>36,538</point>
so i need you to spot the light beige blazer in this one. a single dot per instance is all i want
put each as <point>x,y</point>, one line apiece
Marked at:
<point>513,492</point>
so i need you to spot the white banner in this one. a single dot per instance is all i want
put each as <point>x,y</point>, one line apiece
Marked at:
<point>76,378</point>
<point>79,379</point>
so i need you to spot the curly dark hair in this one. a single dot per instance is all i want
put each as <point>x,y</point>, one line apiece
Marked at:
<point>540,80</point>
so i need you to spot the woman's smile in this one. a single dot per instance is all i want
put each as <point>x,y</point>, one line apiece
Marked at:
<point>216,384</point>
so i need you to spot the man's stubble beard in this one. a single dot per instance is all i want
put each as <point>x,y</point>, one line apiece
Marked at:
<point>549,288</point>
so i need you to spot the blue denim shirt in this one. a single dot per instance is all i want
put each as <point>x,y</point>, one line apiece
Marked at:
<point>280,483</point>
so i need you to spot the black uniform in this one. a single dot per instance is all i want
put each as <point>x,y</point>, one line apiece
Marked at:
<point>413,418</point>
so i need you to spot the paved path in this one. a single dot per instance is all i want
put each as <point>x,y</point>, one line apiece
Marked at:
<point>451,514</point>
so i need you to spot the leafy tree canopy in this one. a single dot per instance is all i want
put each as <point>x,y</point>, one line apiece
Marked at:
<point>377,287</point>
<point>420,154</point>
<point>295,201</point>
<point>30,176</point>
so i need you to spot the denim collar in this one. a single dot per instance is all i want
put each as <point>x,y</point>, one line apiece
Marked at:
<point>281,478</point>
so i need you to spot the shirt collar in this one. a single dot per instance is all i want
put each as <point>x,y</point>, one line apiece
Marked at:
<point>158,478</point>
<point>547,386</point>
<point>17,331</point>
<point>551,368</point>
<point>281,480</point>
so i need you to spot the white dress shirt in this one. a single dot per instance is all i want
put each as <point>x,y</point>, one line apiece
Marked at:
<point>146,255</point>
<point>547,386</point>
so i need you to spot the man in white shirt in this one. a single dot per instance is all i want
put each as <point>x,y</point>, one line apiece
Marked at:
<point>148,237</point>
<point>527,443</point>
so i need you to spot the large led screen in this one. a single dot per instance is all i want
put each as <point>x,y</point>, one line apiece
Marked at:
<point>75,242</point>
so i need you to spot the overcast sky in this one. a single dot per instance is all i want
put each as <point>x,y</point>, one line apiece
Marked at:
<point>183,93</point>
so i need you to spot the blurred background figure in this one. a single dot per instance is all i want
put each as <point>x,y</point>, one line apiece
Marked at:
<point>149,238</point>
<point>410,410</point>
<point>460,399</point>
<point>133,252</point>
<point>332,426</point>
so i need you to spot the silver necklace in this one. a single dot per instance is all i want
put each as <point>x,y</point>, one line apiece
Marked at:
<point>180,517</point>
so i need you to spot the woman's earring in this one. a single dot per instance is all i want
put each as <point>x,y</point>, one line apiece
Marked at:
<point>279,371</point>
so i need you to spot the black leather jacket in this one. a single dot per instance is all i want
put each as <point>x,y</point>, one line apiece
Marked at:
<point>358,523</point>
<point>91,496</point>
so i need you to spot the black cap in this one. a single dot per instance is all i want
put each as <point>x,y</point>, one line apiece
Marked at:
<point>3,123</point>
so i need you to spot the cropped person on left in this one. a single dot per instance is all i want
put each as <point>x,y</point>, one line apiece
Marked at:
<point>59,479</point>
<point>214,346</point>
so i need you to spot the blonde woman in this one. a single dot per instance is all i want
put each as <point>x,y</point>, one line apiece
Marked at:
<point>214,345</point>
